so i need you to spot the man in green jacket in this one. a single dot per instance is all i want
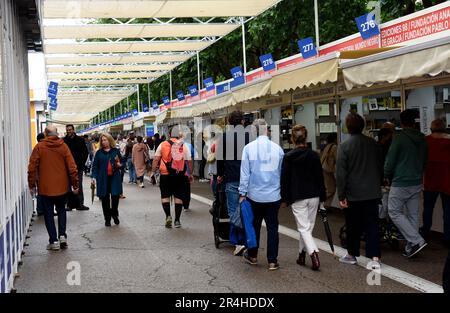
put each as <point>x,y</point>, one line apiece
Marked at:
<point>404,167</point>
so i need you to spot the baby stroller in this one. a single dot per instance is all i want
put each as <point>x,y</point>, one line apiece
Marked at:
<point>389,233</point>
<point>220,218</point>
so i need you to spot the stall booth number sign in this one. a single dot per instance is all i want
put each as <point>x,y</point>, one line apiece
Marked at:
<point>180,95</point>
<point>367,26</point>
<point>53,104</point>
<point>193,91</point>
<point>307,48</point>
<point>267,62</point>
<point>166,100</point>
<point>238,76</point>
<point>52,89</point>
<point>209,84</point>
<point>155,105</point>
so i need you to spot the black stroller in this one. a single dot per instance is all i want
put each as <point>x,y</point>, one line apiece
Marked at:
<point>220,218</point>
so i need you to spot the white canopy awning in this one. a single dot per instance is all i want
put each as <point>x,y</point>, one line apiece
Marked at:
<point>117,59</point>
<point>174,31</point>
<point>126,46</point>
<point>59,76</point>
<point>153,8</point>
<point>430,58</point>
<point>92,31</point>
<point>110,68</point>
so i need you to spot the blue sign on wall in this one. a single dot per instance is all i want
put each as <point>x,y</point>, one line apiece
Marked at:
<point>193,90</point>
<point>367,26</point>
<point>222,88</point>
<point>135,112</point>
<point>267,62</point>
<point>166,100</point>
<point>238,76</point>
<point>307,48</point>
<point>180,95</point>
<point>149,130</point>
<point>52,89</point>
<point>145,107</point>
<point>155,105</point>
<point>209,84</point>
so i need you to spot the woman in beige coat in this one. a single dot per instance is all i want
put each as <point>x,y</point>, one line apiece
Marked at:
<point>139,159</point>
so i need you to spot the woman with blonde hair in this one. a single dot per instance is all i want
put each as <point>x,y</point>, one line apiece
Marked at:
<point>106,175</point>
<point>302,187</point>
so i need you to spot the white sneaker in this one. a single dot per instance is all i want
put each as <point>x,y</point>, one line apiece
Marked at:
<point>53,246</point>
<point>142,185</point>
<point>239,249</point>
<point>63,242</point>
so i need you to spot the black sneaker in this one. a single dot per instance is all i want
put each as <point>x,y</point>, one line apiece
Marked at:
<point>116,220</point>
<point>68,209</point>
<point>83,208</point>
<point>177,224</point>
<point>414,250</point>
<point>108,223</point>
<point>169,222</point>
<point>248,259</point>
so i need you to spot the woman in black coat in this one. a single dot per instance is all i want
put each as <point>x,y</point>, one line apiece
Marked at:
<point>302,187</point>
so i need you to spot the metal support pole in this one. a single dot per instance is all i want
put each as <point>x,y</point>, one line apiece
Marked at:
<point>198,71</point>
<point>148,93</point>
<point>128,104</point>
<point>170,73</point>
<point>316,18</point>
<point>243,46</point>
<point>114,110</point>
<point>138,99</point>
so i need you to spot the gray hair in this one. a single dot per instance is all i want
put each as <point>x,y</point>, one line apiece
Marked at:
<point>51,130</point>
<point>260,126</point>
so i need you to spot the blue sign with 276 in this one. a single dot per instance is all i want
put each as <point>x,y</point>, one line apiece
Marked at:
<point>267,62</point>
<point>307,48</point>
<point>367,26</point>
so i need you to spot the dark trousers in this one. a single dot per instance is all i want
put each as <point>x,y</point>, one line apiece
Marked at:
<point>80,187</point>
<point>446,275</point>
<point>362,216</point>
<point>49,204</point>
<point>429,201</point>
<point>269,213</point>
<point>187,193</point>
<point>39,207</point>
<point>201,173</point>
<point>110,203</point>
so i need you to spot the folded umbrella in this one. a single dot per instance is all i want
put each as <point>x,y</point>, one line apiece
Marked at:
<point>92,192</point>
<point>323,214</point>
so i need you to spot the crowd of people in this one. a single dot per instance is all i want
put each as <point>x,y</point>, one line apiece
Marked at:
<point>372,179</point>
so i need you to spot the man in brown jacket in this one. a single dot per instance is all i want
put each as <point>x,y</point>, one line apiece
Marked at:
<point>51,167</point>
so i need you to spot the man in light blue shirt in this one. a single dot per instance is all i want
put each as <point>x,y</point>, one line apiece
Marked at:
<point>260,184</point>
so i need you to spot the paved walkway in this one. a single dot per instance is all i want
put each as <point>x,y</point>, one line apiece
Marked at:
<point>141,255</point>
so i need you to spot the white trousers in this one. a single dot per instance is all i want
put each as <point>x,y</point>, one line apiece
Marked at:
<point>305,212</point>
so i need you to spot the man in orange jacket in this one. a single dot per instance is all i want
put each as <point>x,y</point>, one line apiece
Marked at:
<point>51,168</point>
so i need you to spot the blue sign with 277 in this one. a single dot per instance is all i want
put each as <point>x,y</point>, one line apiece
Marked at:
<point>267,62</point>
<point>307,48</point>
<point>367,26</point>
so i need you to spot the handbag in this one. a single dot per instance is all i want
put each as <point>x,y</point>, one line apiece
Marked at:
<point>247,219</point>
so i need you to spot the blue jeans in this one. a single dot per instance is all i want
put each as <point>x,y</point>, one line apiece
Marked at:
<point>39,207</point>
<point>131,171</point>
<point>237,235</point>
<point>49,204</point>
<point>429,201</point>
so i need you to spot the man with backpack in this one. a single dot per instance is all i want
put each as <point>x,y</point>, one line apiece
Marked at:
<point>171,157</point>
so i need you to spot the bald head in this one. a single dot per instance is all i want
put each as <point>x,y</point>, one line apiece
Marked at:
<point>51,130</point>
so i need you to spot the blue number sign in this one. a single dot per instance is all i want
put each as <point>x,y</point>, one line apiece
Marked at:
<point>238,76</point>
<point>180,95</point>
<point>193,90</point>
<point>155,105</point>
<point>267,62</point>
<point>209,84</point>
<point>222,88</point>
<point>307,48</point>
<point>145,107</point>
<point>52,89</point>
<point>166,100</point>
<point>367,26</point>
